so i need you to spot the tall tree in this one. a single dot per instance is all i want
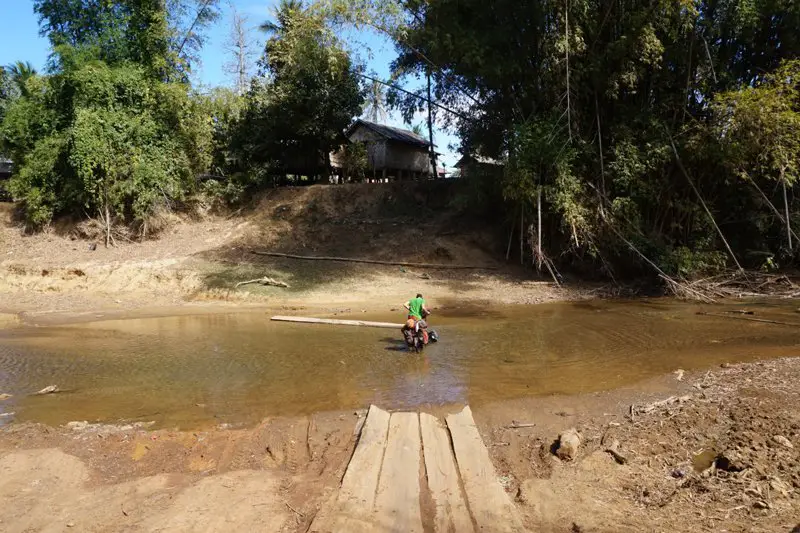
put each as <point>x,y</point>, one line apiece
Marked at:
<point>284,15</point>
<point>375,108</point>
<point>18,75</point>
<point>163,35</point>
<point>240,47</point>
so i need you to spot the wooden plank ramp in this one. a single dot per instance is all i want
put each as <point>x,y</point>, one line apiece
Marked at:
<point>440,467</point>
<point>382,489</point>
<point>490,505</point>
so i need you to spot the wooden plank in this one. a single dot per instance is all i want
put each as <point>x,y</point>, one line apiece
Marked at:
<point>451,508</point>
<point>336,322</point>
<point>397,505</point>
<point>353,508</point>
<point>490,505</point>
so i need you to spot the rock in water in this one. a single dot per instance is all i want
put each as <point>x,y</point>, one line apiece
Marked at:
<point>49,389</point>
<point>568,444</point>
<point>4,396</point>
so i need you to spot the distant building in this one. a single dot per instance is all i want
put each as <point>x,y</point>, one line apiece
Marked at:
<point>476,163</point>
<point>392,153</point>
<point>6,166</point>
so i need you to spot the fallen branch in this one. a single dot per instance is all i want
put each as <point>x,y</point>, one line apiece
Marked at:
<point>661,403</point>
<point>373,261</point>
<point>515,425</point>
<point>751,319</point>
<point>263,281</point>
<point>298,513</point>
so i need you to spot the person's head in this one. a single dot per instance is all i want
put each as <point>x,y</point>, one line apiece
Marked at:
<point>419,295</point>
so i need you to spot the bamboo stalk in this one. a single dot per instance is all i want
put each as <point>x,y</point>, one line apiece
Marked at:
<point>786,211</point>
<point>539,229</point>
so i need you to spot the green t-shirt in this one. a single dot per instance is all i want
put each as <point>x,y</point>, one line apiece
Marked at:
<point>415,306</point>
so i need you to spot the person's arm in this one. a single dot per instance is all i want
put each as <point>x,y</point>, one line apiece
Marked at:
<point>426,309</point>
<point>407,305</point>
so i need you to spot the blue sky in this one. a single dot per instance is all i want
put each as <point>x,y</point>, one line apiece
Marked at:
<point>20,40</point>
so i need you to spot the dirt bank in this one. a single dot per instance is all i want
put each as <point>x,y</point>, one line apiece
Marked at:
<point>720,454</point>
<point>200,260</point>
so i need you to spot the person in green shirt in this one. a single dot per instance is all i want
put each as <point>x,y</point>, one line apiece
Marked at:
<point>417,308</point>
<point>417,311</point>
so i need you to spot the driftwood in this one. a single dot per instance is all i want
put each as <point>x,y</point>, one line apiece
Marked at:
<point>613,449</point>
<point>516,425</point>
<point>373,261</point>
<point>650,407</point>
<point>263,281</point>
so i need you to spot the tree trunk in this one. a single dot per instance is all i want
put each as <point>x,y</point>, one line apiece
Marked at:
<point>522,235</point>
<point>566,25</point>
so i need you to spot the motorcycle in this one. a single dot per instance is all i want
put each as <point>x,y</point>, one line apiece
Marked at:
<point>417,335</point>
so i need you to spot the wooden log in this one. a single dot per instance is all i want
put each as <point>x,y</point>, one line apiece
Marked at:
<point>490,505</point>
<point>336,322</point>
<point>373,261</point>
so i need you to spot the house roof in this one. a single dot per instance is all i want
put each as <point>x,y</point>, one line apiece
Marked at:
<point>391,133</point>
<point>467,159</point>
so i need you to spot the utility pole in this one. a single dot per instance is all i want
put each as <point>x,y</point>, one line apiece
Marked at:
<point>430,127</point>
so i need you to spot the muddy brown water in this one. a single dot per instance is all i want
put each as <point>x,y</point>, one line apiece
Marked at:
<point>199,371</point>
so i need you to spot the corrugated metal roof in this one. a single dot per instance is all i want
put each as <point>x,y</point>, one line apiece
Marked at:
<point>391,133</point>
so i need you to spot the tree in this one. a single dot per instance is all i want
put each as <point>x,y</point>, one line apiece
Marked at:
<point>286,14</point>
<point>18,75</point>
<point>107,133</point>
<point>162,35</point>
<point>239,45</point>
<point>306,95</point>
<point>375,105</point>
<point>639,75</point>
<point>760,129</point>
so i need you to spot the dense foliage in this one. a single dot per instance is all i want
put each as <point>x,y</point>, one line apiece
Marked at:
<point>584,100</point>
<point>112,131</point>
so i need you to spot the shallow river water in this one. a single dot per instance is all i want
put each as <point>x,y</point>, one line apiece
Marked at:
<point>194,371</point>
